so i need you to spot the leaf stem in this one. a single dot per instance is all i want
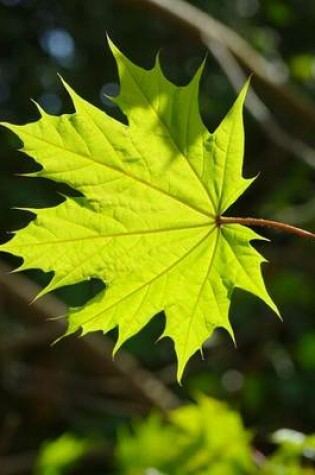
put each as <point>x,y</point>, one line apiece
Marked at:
<point>288,228</point>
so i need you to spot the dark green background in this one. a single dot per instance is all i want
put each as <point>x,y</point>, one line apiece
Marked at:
<point>270,377</point>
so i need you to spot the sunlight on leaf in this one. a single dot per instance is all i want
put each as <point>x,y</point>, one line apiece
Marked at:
<point>147,222</point>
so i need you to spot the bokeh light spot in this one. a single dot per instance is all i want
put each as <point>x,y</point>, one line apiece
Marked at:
<point>247,8</point>
<point>232,380</point>
<point>110,89</point>
<point>58,43</point>
<point>50,102</point>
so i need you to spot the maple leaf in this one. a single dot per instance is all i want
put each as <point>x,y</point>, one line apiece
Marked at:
<point>147,224</point>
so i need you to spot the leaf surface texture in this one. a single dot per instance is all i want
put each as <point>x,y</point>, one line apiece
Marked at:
<point>146,224</point>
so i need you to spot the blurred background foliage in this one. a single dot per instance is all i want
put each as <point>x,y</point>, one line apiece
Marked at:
<point>270,379</point>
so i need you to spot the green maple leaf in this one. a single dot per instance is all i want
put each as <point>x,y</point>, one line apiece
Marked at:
<point>147,224</point>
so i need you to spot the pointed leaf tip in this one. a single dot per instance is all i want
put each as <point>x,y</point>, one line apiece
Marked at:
<point>114,49</point>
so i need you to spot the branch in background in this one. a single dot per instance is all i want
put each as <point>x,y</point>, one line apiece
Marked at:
<point>209,30</point>
<point>32,338</point>
<point>98,349</point>
<point>206,27</point>
<point>67,392</point>
<point>257,108</point>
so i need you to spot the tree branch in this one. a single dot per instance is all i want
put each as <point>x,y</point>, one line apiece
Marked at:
<point>205,26</point>
<point>258,109</point>
<point>98,350</point>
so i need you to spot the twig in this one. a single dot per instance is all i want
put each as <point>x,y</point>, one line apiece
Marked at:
<point>221,220</point>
